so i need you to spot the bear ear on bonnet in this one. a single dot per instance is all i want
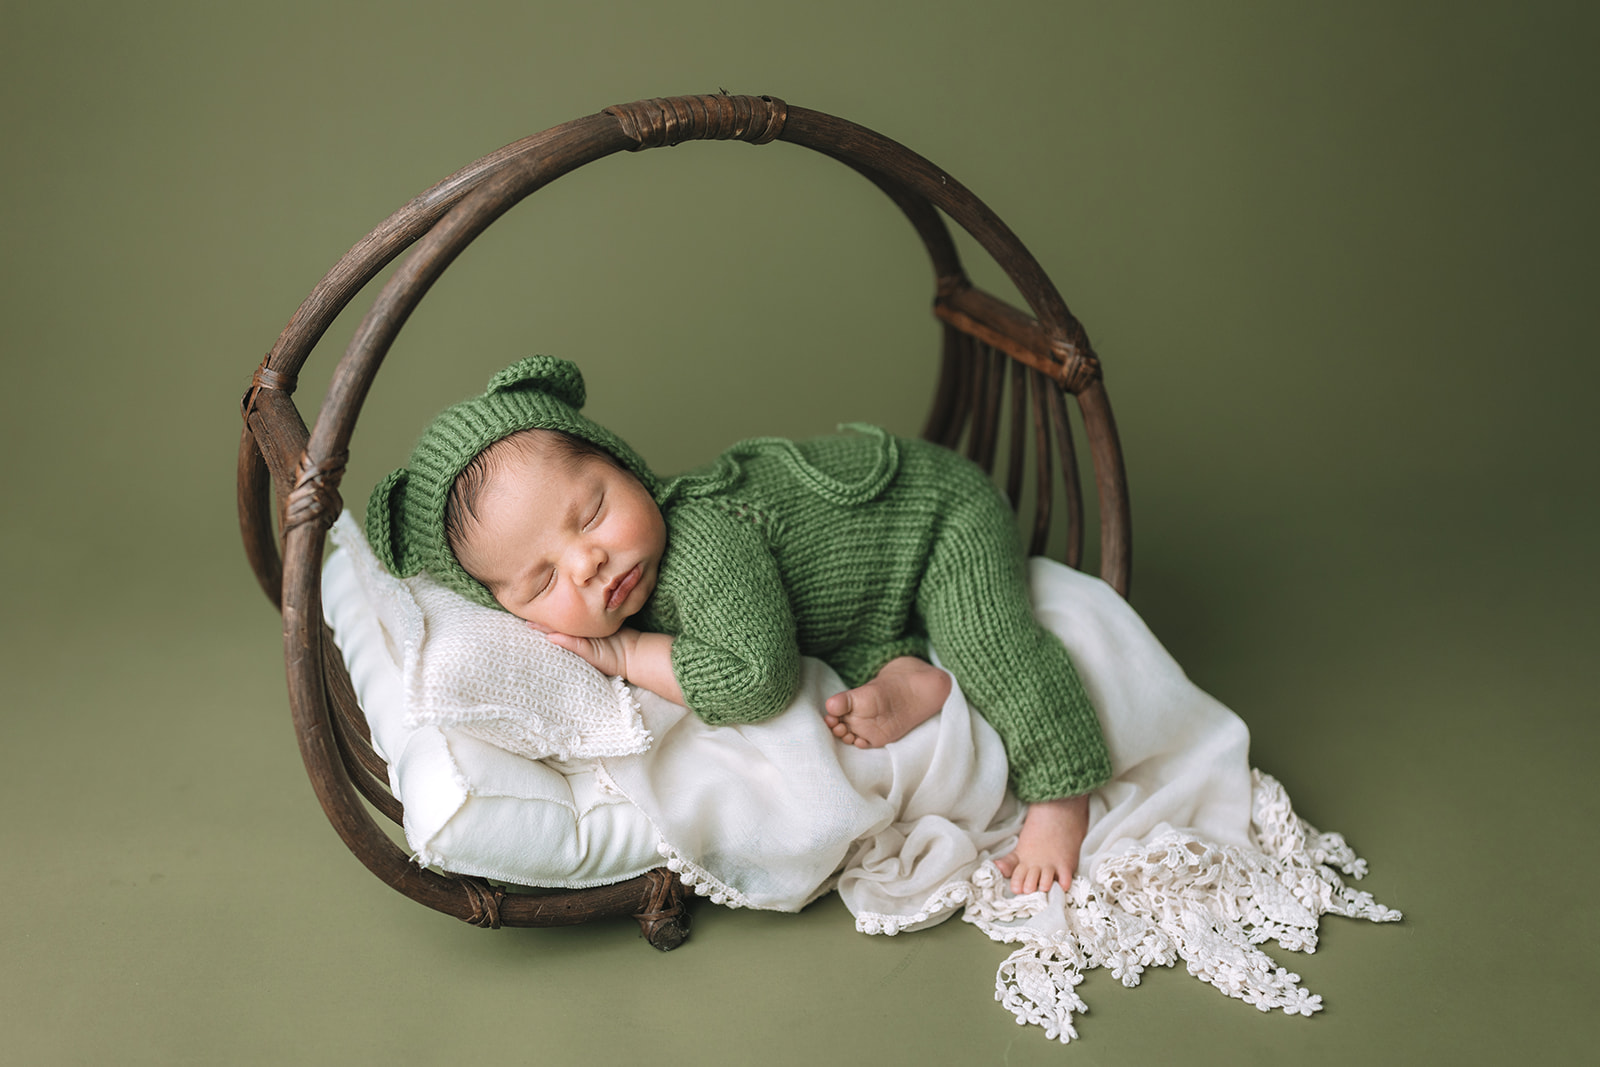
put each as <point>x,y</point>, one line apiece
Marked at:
<point>544,374</point>
<point>386,523</point>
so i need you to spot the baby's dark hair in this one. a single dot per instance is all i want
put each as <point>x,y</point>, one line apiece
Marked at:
<point>461,509</point>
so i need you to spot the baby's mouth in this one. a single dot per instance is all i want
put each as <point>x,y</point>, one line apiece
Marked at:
<point>619,590</point>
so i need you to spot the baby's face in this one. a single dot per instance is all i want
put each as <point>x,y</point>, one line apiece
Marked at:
<point>572,544</point>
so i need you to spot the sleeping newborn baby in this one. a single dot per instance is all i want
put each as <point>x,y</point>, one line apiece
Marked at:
<point>865,550</point>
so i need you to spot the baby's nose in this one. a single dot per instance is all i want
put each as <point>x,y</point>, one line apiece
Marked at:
<point>591,558</point>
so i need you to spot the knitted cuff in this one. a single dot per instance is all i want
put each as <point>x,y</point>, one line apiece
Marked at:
<point>1059,757</point>
<point>723,688</point>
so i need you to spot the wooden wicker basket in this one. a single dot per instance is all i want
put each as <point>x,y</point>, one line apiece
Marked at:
<point>292,473</point>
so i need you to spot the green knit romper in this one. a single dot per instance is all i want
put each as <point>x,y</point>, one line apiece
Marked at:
<point>857,549</point>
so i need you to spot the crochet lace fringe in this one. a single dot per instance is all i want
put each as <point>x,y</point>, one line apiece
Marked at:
<point>1177,897</point>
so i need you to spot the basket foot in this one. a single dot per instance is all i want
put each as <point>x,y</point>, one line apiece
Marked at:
<point>664,920</point>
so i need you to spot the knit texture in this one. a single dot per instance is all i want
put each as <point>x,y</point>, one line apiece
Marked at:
<point>857,549</point>
<point>405,514</point>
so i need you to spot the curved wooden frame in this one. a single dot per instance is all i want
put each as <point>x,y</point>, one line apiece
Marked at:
<point>1048,350</point>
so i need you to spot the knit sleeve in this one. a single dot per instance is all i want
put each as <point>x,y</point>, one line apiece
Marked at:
<point>974,601</point>
<point>735,652</point>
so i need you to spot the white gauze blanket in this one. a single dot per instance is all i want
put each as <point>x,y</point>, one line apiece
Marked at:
<point>1190,854</point>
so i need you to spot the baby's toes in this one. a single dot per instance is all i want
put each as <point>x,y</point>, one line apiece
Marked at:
<point>1026,880</point>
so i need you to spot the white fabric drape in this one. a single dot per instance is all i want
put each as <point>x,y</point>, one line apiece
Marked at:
<point>1190,855</point>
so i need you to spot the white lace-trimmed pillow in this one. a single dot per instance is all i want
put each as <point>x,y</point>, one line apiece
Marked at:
<point>484,673</point>
<point>473,807</point>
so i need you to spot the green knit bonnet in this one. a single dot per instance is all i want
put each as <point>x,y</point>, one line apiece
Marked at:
<point>405,515</point>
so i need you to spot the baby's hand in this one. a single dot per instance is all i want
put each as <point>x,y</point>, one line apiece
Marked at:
<point>644,659</point>
<point>608,655</point>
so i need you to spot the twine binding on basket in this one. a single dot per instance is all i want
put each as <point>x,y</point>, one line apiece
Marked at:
<point>315,496</point>
<point>485,902</point>
<point>266,378</point>
<point>663,122</point>
<point>664,922</point>
<point>1078,368</point>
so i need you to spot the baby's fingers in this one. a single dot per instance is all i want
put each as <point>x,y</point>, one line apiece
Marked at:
<point>581,646</point>
<point>598,652</point>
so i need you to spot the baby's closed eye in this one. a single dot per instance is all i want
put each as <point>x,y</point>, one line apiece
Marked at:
<point>543,584</point>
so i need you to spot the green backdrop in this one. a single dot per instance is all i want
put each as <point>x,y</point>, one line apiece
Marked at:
<point>1338,261</point>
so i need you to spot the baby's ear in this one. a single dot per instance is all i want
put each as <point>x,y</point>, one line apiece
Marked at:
<point>386,522</point>
<point>544,374</point>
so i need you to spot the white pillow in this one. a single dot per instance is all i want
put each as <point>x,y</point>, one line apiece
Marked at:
<point>472,807</point>
<point>485,672</point>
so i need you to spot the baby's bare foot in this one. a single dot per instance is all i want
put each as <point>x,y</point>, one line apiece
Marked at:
<point>1047,848</point>
<point>906,693</point>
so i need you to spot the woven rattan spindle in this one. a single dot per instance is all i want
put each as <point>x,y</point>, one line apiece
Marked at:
<point>1014,461</point>
<point>962,368</point>
<point>947,393</point>
<point>1044,481</point>
<point>982,403</point>
<point>1116,540</point>
<point>972,363</point>
<point>1069,476</point>
<point>994,396</point>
